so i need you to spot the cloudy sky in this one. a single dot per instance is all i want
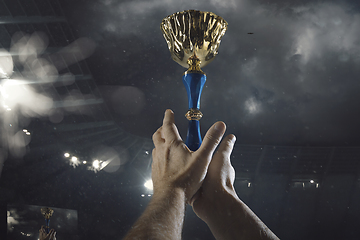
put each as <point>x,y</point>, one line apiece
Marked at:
<point>295,81</point>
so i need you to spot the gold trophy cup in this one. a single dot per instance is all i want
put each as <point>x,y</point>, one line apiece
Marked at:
<point>193,38</point>
<point>47,213</point>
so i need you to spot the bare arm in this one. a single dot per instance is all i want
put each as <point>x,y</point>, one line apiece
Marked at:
<point>218,205</point>
<point>177,174</point>
<point>162,219</point>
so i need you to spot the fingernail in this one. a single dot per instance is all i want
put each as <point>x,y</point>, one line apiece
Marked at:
<point>219,127</point>
<point>233,139</point>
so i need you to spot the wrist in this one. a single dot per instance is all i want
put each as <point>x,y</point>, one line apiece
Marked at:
<point>233,219</point>
<point>170,193</point>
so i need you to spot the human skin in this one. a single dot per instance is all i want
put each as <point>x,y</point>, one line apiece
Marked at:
<point>177,174</point>
<point>202,179</point>
<point>46,236</point>
<point>218,205</point>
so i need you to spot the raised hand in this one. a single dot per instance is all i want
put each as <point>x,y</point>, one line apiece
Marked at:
<point>174,165</point>
<point>46,236</point>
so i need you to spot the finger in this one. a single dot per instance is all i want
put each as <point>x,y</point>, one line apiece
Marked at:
<point>169,129</point>
<point>157,139</point>
<point>52,233</point>
<point>221,159</point>
<point>226,147</point>
<point>212,139</point>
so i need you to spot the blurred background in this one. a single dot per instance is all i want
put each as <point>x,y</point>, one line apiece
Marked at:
<point>84,85</point>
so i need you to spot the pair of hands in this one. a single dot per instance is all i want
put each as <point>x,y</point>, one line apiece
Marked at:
<point>202,175</point>
<point>46,236</point>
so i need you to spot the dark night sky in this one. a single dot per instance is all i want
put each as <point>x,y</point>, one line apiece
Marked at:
<point>293,82</point>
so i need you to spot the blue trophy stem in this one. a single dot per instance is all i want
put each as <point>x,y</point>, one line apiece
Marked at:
<point>47,225</point>
<point>194,83</point>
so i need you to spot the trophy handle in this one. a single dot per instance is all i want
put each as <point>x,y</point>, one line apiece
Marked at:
<point>194,83</point>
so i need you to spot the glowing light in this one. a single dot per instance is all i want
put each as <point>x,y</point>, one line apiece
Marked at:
<point>149,184</point>
<point>27,133</point>
<point>24,130</point>
<point>249,184</point>
<point>74,161</point>
<point>84,162</point>
<point>6,64</point>
<point>7,107</point>
<point>26,234</point>
<point>12,95</point>
<point>311,181</point>
<point>66,155</point>
<point>96,164</point>
<point>11,219</point>
<point>143,195</point>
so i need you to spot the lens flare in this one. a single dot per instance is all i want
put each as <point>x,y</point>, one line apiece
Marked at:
<point>21,97</point>
<point>149,184</point>
<point>6,64</point>
<point>74,162</point>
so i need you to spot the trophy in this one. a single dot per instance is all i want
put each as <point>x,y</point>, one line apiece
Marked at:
<point>47,213</point>
<point>193,38</point>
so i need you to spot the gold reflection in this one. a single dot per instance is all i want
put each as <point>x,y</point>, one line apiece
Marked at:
<point>47,212</point>
<point>193,114</point>
<point>193,35</point>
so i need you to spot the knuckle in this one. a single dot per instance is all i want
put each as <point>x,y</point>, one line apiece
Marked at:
<point>213,139</point>
<point>173,143</point>
<point>229,142</point>
<point>154,136</point>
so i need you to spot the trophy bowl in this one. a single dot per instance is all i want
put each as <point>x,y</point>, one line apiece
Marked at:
<point>193,35</point>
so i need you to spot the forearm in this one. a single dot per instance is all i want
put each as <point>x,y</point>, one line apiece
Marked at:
<point>236,221</point>
<point>162,219</point>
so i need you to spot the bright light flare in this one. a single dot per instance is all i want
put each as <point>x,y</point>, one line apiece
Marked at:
<point>66,155</point>
<point>108,157</point>
<point>11,220</point>
<point>149,184</point>
<point>74,162</point>
<point>21,97</point>
<point>6,64</point>
<point>17,93</point>
<point>96,164</point>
